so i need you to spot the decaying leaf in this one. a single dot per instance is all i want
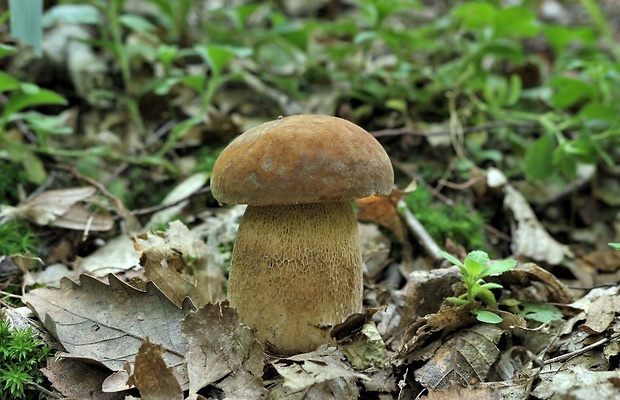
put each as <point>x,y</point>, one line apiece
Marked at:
<point>530,239</point>
<point>78,380</point>
<point>181,265</point>
<point>152,376</point>
<point>466,358</point>
<point>106,324</point>
<point>303,371</point>
<point>218,346</point>
<point>117,255</point>
<point>366,349</point>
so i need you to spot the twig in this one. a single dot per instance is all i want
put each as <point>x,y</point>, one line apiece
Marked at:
<point>44,390</point>
<point>425,240</point>
<point>159,207</point>
<point>14,296</point>
<point>568,356</point>
<point>426,133</point>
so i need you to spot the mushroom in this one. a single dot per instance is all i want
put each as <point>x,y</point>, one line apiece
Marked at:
<point>296,265</point>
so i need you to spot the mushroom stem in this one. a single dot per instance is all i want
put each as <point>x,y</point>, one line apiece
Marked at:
<point>296,272</point>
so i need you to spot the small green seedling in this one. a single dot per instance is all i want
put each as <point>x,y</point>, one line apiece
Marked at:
<point>615,246</point>
<point>473,270</point>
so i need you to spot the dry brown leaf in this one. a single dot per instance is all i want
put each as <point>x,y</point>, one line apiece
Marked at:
<point>106,323</point>
<point>465,358</point>
<point>79,380</point>
<point>463,393</point>
<point>152,376</point>
<point>383,211</point>
<point>219,345</point>
<point>181,265</point>
<point>600,314</point>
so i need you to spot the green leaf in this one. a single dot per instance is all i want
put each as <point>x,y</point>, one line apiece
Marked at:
<point>615,245</point>
<point>491,286</point>
<point>7,82</point>
<point>479,257</point>
<point>500,267</point>
<point>20,100</point>
<point>486,296</point>
<point>570,91</point>
<point>516,22</point>
<point>6,50</point>
<point>488,317</point>
<point>476,15</point>
<point>451,258</point>
<point>538,158</point>
<point>541,312</point>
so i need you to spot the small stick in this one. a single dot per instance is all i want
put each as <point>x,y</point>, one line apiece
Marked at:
<point>422,235</point>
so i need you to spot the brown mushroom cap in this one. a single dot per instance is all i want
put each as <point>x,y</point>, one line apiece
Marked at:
<point>301,159</point>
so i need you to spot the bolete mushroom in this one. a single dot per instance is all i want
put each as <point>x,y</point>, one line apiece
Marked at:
<point>296,265</point>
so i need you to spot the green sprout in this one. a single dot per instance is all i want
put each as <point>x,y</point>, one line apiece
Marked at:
<point>615,246</point>
<point>473,270</point>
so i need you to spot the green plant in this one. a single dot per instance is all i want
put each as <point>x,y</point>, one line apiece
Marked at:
<point>615,245</point>
<point>473,271</point>
<point>21,356</point>
<point>17,238</point>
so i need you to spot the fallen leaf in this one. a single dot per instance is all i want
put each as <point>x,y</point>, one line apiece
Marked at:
<point>579,383</point>
<point>465,358</point>
<point>117,255</point>
<point>106,324</point>
<point>219,345</point>
<point>181,265</point>
<point>382,210</point>
<point>530,239</point>
<point>152,376</point>
<point>600,314</point>
<point>366,349</point>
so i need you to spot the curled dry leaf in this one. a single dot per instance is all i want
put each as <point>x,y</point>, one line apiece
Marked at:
<point>181,265</point>
<point>65,208</point>
<point>551,287</point>
<point>151,375</point>
<point>106,324</point>
<point>465,358</point>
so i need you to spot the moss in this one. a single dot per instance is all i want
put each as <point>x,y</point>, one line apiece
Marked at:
<point>459,224</point>
<point>17,238</point>
<point>21,356</point>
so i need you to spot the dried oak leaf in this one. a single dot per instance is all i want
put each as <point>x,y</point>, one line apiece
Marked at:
<point>322,370</point>
<point>106,324</point>
<point>152,376</point>
<point>181,265</point>
<point>219,346</point>
<point>465,358</point>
